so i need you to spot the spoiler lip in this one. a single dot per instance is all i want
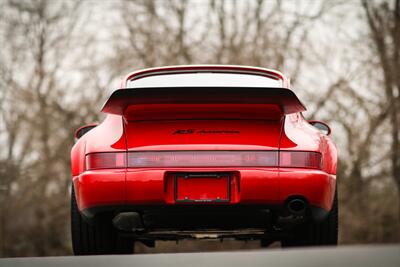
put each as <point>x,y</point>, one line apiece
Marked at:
<point>120,99</point>
<point>241,69</point>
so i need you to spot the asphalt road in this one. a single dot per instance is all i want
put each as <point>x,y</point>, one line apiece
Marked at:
<point>365,256</point>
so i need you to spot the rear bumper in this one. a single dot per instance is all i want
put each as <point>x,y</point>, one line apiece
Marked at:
<point>271,187</point>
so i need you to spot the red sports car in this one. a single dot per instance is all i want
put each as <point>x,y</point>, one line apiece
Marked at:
<point>209,151</point>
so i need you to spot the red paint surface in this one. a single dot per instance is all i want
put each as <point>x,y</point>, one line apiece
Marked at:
<point>257,185</point>
<point>161,135</point>
<point>97,188</point>
<point>256,127</point>
<point>154,186</point>
<point>201,111</point>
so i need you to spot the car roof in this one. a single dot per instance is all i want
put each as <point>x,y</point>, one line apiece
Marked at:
<point>182,69</point>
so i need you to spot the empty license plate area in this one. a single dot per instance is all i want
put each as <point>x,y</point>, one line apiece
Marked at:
<point>202,187</point>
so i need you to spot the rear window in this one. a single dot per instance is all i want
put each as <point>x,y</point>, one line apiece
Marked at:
<point>205,80</point>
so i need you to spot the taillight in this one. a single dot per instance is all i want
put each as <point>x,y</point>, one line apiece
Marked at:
<point>300,159</point>
<point>105,160</point>
<point>148,159</point>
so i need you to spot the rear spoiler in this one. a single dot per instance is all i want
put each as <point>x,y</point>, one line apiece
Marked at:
<point>120,99</point>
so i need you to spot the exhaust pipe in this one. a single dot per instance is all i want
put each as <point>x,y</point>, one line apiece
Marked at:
<point>128,221</point>
<point>296,206</point>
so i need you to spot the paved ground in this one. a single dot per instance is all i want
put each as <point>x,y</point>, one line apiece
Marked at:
<point>365,256</point>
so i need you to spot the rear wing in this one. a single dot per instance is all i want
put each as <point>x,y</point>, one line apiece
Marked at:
<point>121,99</point>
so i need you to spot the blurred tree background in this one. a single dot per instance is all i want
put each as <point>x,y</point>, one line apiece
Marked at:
<point>59,61</point>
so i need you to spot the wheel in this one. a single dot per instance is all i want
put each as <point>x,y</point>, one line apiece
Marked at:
<point>99,237</point>
<point>312,233</point>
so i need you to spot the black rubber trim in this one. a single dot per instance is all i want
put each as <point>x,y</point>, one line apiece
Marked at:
<point>317,213</point>
<point>93,211</point>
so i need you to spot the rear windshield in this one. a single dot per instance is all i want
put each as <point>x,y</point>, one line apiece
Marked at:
<point>205,80</point>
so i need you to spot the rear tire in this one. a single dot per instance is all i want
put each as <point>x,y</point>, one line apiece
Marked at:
<point>311,233</point>
<point>99,237</point>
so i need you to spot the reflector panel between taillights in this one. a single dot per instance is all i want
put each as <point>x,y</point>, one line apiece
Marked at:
<point>203,159</point>
<point>165,159</point>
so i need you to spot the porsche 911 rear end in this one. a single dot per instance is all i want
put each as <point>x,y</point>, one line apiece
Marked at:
<point>203,152</point>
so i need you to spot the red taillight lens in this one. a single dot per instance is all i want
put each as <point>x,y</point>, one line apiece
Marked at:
<point>203,159</point>
<point>148,159</point>
<point>105,161</point>
<point>300,159</point>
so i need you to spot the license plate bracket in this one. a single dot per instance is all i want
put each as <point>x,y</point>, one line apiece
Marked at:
<point>202,187</point>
